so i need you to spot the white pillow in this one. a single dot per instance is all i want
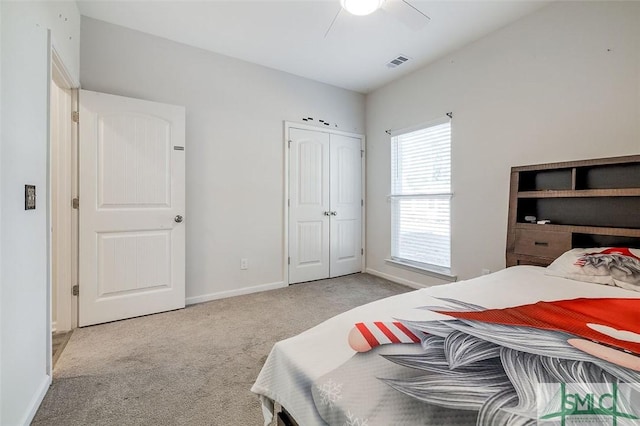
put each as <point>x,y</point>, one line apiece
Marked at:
<point>619,266</point>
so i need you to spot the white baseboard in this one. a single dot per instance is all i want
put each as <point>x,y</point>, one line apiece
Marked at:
<point>32,409</point>
<point>231,293</point>
<point>54,326</point>
<point>395,279</point>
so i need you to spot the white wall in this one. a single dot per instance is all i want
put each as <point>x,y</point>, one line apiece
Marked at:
<point>235,150</point>
<point>560,84</point>
<point>23,154</point>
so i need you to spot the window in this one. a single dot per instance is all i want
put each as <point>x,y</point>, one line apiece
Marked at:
<point>421,197</point>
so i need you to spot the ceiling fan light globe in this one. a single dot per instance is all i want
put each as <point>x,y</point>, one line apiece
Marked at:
<point>361,7</point>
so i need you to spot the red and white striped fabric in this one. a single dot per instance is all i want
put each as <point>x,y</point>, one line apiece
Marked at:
<point>367,335</point>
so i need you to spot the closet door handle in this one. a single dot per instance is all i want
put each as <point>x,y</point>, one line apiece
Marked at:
<point>326,213</point>
<point>334,213</point>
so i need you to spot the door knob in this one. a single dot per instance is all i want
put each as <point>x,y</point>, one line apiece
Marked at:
<point>334,213</point>
<point>178,219</point>
<point>326,213</point>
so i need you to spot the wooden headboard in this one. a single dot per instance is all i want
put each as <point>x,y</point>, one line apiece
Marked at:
<point>591,203</point>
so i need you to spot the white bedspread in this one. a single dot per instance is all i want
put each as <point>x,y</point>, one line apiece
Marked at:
<point>294,366</point>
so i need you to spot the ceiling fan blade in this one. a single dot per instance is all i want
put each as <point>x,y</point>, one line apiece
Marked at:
<point>406,13</point>
<point>335,18</point>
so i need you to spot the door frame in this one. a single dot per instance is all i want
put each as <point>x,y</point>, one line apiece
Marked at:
<point>66,308</point>
<point>58,68</point>
<point>287,126</point>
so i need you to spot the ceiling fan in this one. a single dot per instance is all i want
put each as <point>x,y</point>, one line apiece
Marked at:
<point>402,10</point>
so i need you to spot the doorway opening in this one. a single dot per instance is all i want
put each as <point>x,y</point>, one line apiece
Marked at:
<point>63,218</point>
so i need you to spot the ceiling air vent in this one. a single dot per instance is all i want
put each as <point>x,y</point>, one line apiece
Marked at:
<point>396,62</point>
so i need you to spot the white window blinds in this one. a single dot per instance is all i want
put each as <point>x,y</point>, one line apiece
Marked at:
<point>421,196</point>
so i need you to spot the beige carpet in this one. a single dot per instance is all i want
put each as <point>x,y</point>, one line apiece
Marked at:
<point>194,366</point>
<point>58,343</point>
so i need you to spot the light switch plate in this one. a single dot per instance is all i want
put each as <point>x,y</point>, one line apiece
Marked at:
<point>29,197</point>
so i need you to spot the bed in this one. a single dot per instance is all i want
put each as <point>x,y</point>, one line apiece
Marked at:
<point>555,337</point>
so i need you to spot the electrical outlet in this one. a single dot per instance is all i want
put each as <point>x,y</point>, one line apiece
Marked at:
<point>244,263</point>
<point>486,271</point>
<point>29,197</point>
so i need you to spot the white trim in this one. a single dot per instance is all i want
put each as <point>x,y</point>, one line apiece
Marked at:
<point>287,126</point>
<point>396,280</point>
<point>230,293</point>
<point>54,326</point>
<point>431,270</point>
<point>448,195</point>
<point>58,70</point>
<point>363,195</point>
<point>63,131</point>
<point>49,266</point>
<point>285,224</point>
<point>292,124</point>
<point>75,178</point>
<point>33,406</point>
<point>60,67</point>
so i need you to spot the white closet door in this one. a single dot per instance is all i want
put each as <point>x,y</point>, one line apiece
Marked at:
<point>309,205</point>
<point>346,208</point>
<point>132,203</point>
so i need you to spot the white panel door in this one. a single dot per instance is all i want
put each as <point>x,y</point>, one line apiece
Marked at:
<point>132,204</point>
<point>346,208</point>
<point>309,205</point>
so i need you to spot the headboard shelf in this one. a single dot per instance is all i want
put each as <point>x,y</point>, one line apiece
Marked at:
<point>579,163</point>
<point>589,203</point>
<point>610,176</point>
<point>595,230</point>
<point>545,180</point>
<point>625,192</point>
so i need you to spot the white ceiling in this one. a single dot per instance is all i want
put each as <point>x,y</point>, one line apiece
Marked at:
<point>290,35</point>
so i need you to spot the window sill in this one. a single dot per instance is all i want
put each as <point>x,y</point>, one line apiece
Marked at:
<point>431,270</point>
